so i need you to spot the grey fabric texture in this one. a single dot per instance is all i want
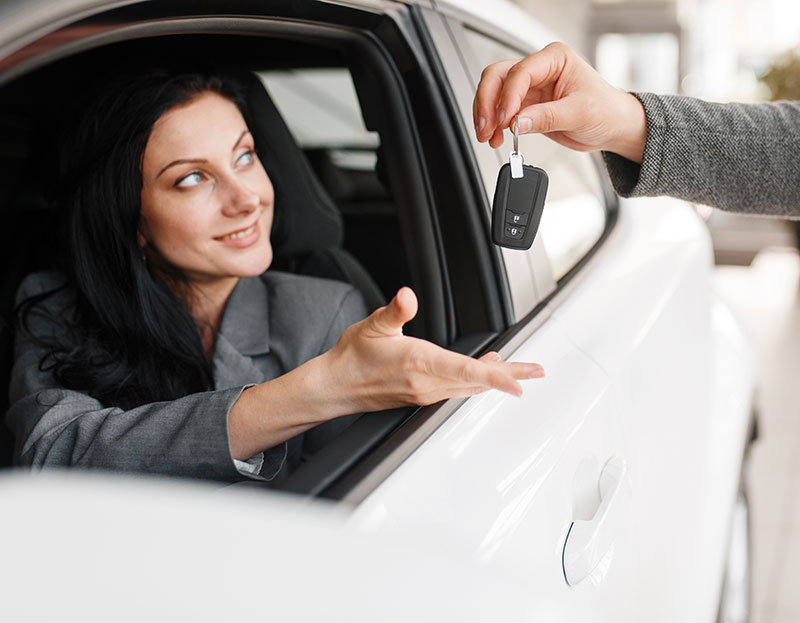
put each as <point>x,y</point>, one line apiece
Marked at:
<point>271,324</point>
<point>738,157</point>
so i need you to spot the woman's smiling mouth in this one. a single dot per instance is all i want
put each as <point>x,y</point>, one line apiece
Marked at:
<point>241,238</point>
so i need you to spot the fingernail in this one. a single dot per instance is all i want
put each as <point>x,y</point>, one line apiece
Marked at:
<point>525,125</point>
<point>481,124</point>
<point>536,374</point>
<point>501,116</point>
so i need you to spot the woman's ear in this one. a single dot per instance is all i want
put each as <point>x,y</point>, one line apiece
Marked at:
<point>141,234</point>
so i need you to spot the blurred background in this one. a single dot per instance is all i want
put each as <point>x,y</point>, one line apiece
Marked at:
<point>719,50</point>
<point>746,51</point>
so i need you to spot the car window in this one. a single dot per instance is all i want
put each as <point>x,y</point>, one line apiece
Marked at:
<point>575,213</point>
<point>320,106</point>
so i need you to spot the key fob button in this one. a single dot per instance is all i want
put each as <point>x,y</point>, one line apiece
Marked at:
<point>516,219</point>
<point>514,232</point>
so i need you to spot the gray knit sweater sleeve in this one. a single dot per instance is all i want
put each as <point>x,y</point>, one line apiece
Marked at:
<point>738,157</point>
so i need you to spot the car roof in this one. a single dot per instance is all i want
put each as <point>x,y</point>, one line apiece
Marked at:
<point>26,20</point>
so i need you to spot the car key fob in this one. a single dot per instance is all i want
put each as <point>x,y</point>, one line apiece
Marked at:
<point>518,201</point>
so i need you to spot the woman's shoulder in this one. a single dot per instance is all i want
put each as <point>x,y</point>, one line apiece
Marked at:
<point>303,286</point>
<point>39,283</point>
<point>315,299</point>
<point>46,305</point>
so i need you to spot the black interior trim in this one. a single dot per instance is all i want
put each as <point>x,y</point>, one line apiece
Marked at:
<point>318,476</point>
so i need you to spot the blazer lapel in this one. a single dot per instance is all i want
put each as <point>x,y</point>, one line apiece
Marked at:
<point>243,333</point>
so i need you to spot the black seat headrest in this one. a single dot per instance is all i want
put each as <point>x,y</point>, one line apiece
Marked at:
<point>306,218</point>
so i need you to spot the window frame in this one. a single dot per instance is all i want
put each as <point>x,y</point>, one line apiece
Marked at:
<point>532,282</point>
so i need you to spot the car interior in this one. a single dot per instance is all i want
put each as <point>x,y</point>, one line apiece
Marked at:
<point>366,214</point>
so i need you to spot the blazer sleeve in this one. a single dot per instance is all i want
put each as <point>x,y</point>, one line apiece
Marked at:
<point>54,426</point>
<point>738,157</point>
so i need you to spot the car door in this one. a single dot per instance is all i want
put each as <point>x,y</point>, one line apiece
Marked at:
<point>602,487</point>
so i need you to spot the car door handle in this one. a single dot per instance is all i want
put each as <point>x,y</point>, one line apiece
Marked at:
<point>589,541</point>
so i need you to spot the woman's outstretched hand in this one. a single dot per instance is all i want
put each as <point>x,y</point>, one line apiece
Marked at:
<point>559,94</point>
<point>374,366</point>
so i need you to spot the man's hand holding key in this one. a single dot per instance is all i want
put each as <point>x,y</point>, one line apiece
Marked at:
<point>556,92</point>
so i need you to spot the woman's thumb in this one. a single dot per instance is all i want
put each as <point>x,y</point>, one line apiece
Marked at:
<point>389,320</point>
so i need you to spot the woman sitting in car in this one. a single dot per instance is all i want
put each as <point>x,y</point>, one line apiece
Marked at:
<point>162,345</point>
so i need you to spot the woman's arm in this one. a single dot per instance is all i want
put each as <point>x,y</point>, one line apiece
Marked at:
<point>740,157</point>
<point>56,427</point>
<point>372,366</point>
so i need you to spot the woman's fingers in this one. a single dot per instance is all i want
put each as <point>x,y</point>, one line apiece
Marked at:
<point>449,366</point>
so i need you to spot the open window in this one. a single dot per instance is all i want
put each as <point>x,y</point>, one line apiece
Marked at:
<point>372,140</point>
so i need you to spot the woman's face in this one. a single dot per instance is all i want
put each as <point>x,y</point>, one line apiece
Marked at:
<point>206,200</point>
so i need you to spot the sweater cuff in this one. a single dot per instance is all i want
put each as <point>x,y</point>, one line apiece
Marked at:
<point>629,178</point>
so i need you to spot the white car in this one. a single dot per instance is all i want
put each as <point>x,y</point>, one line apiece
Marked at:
<point>610,491</point>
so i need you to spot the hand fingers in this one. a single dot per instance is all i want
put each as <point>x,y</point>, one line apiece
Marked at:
<point>497,138</point>
<point>504,87</point>
<point>389,320</point>
<point>549,116</point>
<point>537,71</point>
<point>484,105</point>
<point>473,372</point>
<point>490,356</point>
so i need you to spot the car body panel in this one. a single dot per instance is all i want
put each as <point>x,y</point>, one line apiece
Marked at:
<point>144,549</point>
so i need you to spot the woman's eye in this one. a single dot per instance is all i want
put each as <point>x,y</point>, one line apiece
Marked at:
<point>246,158</point>
<point>192,179</point>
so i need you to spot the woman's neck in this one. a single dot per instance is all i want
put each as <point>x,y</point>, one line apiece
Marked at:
<point>207,304</point>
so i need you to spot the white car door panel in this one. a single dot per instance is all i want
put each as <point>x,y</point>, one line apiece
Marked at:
<point>502,481</point>
<point>646,318</point>
<point>610,454</point>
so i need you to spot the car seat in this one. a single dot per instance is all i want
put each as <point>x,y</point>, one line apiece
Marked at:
<point>307,231</point>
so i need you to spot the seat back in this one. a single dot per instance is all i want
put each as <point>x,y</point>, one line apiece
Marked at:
<point>307,232</point>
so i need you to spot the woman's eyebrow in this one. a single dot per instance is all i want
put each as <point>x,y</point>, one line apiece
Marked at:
<point>200,160</point>
<point>181,161</point>
<point>239,140</point>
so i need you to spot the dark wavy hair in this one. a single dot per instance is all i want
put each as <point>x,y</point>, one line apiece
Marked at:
<point>131,339</point>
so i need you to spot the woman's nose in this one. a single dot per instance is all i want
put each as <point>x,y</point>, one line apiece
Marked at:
<point>239,199</point>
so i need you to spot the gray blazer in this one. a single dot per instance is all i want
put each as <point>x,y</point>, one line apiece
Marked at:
<point>272,324</point>
<point>738,157</point>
